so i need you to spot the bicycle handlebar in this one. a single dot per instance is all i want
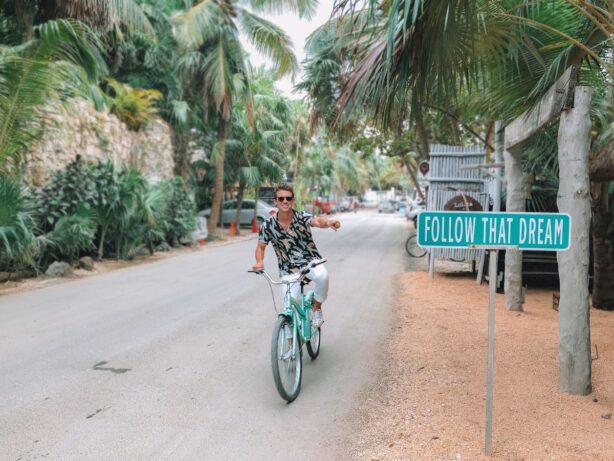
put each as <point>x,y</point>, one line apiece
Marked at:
<point>302,271</point>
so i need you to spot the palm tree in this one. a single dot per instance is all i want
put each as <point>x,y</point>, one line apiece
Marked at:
<point>214,61</point>
<point>260,149</point>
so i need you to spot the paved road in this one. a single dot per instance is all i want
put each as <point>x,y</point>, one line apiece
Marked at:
<point>170,360</point>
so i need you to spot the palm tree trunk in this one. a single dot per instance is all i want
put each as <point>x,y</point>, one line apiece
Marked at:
<point>413,177</point>
<point>490,134</point>
<point>422,133</point>
<point>181,160</point>
<point>602,165</point>
<point>218,188</point>
<point>240,204</point>
<point>256,198</point>
<point>456,137</point>
<point>603,249</point>
<point>24,12</point>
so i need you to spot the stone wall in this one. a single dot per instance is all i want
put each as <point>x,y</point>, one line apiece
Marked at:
<point>77,128</point>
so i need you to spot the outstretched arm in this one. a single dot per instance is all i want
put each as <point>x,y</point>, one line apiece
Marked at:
<point>323,223</point>
<point>259,257</point>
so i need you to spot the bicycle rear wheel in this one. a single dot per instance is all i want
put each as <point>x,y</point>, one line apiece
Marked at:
<point>287,365</point>
<point>412,248</point>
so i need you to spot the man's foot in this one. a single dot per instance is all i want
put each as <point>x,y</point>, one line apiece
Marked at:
<point>318,318</point>
<point>287,354</point>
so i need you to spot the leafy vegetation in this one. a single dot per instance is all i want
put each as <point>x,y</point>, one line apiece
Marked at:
<point>135,107</point>
<point>18,245</point>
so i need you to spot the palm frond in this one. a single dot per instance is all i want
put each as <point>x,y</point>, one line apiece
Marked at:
<point>199,24</point>
<point>271,41</point>
<point>304,8</point>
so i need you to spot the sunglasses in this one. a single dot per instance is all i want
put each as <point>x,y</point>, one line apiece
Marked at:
<point>284,199</point>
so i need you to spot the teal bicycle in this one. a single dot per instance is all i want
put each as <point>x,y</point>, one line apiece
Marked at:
<point>292,330</point>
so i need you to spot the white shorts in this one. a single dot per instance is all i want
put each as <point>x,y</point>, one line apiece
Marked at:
<point>319,276</point>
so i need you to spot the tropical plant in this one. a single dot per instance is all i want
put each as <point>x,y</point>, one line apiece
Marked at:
<point>134,106</point>
<point>71,236</point>
<point>18,245</point>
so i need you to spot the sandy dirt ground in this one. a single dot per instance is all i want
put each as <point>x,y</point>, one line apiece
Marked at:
<point>429,403</point>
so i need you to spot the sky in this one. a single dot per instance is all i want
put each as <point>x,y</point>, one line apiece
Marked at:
<point>298,30</point>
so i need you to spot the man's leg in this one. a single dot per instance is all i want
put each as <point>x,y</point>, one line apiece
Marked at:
<point>319,275</point>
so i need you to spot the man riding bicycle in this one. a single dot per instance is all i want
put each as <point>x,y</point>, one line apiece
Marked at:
<point>289,231</point>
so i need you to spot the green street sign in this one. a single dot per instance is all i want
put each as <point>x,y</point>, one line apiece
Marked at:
<point>525,231</point>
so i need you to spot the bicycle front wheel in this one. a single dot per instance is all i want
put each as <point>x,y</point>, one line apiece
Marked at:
<point>286,363</point>
<point>313,345</point>
<point>412,248</point>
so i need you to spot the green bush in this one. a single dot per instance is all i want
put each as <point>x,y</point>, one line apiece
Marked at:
<point>71,236</point>
<point>97,209</point>
<point>79,184</point>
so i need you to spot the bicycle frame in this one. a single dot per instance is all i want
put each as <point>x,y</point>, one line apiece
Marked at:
<point>297,309</point>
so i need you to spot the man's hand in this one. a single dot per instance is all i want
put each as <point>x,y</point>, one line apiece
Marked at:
<point>334,224</point>
<point>258,266</point>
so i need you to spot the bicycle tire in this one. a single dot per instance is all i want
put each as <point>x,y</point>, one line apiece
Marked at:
<point>283,368</point>
<point>412,248</point>
<point>313,345</point>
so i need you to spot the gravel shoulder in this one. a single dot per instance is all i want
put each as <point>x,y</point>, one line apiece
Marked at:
<point>429,402</point>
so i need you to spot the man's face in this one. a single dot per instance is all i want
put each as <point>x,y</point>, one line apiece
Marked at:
<point>284,200</point>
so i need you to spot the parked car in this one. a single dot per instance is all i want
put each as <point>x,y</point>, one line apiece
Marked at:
<point>229,212</point>
<point>386,206</point>
<point>349,204</point>
<point>325,206</point>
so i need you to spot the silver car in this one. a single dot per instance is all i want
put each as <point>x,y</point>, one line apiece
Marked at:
<point>229,212</point>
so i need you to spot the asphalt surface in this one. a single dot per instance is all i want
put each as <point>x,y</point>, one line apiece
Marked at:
<point>170,360</point>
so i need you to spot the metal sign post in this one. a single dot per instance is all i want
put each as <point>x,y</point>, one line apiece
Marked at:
<point>492,290</point>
